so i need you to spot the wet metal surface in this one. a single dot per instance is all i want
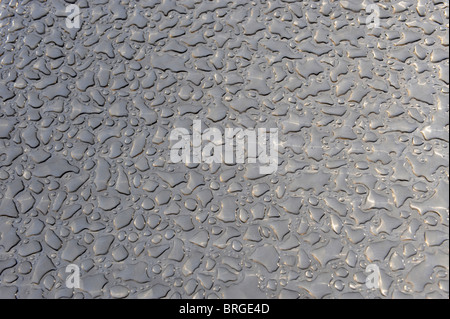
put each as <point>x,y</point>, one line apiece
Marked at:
<point>87,182</point>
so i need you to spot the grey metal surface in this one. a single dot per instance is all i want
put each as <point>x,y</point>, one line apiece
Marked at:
<point>85,171</point>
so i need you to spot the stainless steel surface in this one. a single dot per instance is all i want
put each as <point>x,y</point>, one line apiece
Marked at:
<point>86,178</point>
